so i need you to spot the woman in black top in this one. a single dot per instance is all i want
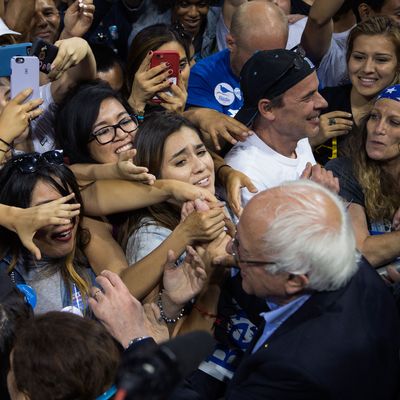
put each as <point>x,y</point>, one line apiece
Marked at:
<point>373,55</point>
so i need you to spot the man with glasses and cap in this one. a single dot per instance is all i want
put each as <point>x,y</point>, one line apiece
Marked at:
<point>282,106</point>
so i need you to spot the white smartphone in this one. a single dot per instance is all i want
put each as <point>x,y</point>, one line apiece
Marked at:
<point>24,75</point>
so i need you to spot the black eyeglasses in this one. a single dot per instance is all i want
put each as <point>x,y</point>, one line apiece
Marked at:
<point>238,260</point>
<point>108,133</point>
<point>28,163</point>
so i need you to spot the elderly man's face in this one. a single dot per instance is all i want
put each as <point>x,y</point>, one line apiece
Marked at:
<point>256,279</point>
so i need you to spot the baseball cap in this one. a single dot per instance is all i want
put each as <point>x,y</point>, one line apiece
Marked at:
<point>5,30</point>
<point>268,74</point>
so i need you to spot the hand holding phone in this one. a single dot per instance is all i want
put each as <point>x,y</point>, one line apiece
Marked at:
<point>171,58</point>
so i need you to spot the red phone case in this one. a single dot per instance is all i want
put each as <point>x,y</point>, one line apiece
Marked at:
<point>166,56</point>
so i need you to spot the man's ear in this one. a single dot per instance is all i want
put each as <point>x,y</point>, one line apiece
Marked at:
<point>230,41</point>
<point>365,11</point>
<point>264,109</point>
<point>296,284</point>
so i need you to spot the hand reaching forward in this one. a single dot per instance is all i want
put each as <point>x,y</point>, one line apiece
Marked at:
<point>182,283</point>
<point>121,314</point>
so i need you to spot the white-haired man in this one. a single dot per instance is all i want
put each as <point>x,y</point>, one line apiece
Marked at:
<point>332,331</point>
<point>331,328</point>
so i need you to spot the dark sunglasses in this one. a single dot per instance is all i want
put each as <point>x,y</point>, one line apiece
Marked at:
<point>28,163</point>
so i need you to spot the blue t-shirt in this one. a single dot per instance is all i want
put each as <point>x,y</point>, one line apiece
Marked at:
<point>212,84</point>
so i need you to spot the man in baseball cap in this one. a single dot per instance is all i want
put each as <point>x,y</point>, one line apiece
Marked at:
<point>282,106</point>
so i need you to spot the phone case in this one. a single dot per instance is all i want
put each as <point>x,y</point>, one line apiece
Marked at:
<point>45,52</point>
<point>9,51</point>
<point>25,74</point>
<point>166,56</point>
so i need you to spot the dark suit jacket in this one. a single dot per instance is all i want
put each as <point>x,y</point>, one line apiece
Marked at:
<point>339,345</point>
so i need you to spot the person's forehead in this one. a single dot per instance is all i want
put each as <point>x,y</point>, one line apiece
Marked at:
<point>303,88</point>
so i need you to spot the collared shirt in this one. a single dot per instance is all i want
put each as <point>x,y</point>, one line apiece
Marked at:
<point>277,316</point>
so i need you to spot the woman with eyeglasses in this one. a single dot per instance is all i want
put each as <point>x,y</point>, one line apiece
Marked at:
<point>62,277</point>
<point>369,181</point>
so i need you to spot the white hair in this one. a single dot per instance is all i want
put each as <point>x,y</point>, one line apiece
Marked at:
<point>301,241</point>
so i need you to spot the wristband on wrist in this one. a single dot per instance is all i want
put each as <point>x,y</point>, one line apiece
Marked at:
<point>9,145</point>
<point>162,313</point>
<point>220,167</point>
<point>139,116</point>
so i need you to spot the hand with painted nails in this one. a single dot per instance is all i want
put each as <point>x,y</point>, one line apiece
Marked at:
<point>147,82</point>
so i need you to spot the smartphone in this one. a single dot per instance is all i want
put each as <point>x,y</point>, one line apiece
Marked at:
<point>9,51</point>
<point>166,56</point>
<point>45,52</point>
<point>24,75</point>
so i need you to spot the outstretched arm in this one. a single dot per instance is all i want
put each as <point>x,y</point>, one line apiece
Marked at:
<point>317,35</point>
<point>113,196</point>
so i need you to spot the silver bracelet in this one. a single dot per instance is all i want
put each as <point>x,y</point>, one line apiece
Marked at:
<point>162,313</point>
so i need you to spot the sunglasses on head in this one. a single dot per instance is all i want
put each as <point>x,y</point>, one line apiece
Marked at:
<point>28,163</point>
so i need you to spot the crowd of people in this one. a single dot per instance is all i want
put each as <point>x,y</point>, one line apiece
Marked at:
<point>230,166</point>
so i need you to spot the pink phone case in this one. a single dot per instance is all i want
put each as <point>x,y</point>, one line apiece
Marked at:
<point>25,74</point>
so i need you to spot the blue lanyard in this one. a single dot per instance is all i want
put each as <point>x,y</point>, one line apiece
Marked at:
<point>108,394</point>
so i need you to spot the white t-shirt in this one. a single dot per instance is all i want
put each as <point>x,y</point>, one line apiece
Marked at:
<point>295,32</point>
<point>264,166</point>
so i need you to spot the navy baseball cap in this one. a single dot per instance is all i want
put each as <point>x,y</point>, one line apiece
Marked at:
<point>268,74</point>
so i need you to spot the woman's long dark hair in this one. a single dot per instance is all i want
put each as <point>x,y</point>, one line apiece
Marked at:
<point>77,115</point>
<point>16,190</point>
<point>149,143</point>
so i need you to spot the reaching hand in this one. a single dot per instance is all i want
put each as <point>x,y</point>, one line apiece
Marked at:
<point>121,314</point>
<point>203,226</point>
<point>29,220</point>
<point>234,181</point>
<point>129,171</point>
<point>320,175</point>
<point>182,283</point>
<point>78,18</point>
<point>182,191</point>
<point>216,125</point>
<point>70,53</point>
